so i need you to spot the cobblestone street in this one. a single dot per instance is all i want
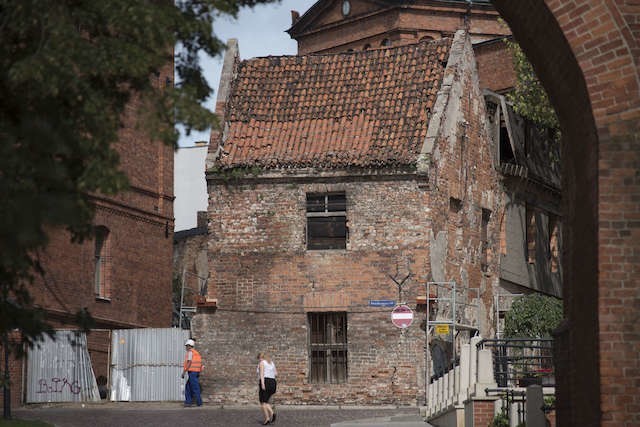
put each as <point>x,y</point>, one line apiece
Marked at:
<point>172,414</point>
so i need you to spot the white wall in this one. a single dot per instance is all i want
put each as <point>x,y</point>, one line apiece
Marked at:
<point>189,185</point>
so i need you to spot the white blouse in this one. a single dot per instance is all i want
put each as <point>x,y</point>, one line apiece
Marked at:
<point>270,370</point>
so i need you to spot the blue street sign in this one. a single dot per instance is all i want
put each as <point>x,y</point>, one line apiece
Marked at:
<point>382,303</point>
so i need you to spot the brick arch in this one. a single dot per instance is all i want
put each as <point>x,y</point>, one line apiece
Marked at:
<point>585,53</point>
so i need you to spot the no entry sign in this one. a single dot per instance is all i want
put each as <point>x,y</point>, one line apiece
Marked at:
<point>402,316</point>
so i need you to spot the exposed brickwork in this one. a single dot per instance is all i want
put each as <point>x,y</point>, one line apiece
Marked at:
<point>140,223</point>
<point>398,218</point>
<point>323,29</point>
<point>587,58</point>
<point>483,412</point>
<point>495,68</point>
<point>15,372</point>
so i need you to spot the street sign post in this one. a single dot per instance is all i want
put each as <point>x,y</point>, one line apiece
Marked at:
<point>402,316</point>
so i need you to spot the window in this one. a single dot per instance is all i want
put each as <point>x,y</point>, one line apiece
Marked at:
<point>385,43</point>
<point>102,262</point>
<point>328,347</point>
<point>554,248</point>
<point>326,221</point>
<point>531,235</point>
<point>484,240</point>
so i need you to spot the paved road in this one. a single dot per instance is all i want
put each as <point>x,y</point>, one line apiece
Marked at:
<point>174,415</point>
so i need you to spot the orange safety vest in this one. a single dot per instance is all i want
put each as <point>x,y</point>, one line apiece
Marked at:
<point>196,361</point>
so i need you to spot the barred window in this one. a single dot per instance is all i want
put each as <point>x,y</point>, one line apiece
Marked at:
<point>328,347</point>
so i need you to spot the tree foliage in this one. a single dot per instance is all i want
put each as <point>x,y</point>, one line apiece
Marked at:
<point>68,70</point>
<point>529,98</point>
<point>533,316</point>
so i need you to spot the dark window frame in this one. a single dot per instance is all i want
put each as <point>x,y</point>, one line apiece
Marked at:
<point>102,263</point>
<point>328,347</point>
<point>326,215</point>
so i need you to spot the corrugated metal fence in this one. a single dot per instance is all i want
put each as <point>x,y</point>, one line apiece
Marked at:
<point>146,364</point>
<point>59,370</point>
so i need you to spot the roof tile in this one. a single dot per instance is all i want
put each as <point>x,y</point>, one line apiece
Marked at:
<point>358,109</point>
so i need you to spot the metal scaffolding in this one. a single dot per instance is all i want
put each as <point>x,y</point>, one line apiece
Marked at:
<point>188,302</point>
<point>451,308</point>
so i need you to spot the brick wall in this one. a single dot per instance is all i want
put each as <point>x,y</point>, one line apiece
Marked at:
<point>495,66</point>
<point>483,412</point>
<point>266,281</point>
<point>140,223</point>
<point>585,53</point>
<point>15,371</point>
<point>331,32</point>
<point>399,222</point>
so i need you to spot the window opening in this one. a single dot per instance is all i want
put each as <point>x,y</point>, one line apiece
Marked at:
<point>328,347</point>
<point>102,263</point>
<point>554,249</point>
<point>326,221</point>
<point>484,238</point>
<point>531,235</point>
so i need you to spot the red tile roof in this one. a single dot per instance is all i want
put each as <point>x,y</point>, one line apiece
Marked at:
<point>360,109</point>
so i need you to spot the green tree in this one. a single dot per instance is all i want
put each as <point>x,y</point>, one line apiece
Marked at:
<point>533,316</point>
<point>68,69</point>
<point>529,98</point>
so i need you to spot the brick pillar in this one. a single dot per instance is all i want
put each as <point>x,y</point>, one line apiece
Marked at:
<point>479,412</point>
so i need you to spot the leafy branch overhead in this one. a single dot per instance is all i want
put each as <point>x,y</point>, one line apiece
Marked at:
<point>69,68</point>
<point>529,98</point>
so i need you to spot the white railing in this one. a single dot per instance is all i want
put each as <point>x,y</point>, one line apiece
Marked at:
<point>469,378</point>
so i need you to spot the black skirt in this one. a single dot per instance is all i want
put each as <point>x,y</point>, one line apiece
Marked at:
<point>269,390</point>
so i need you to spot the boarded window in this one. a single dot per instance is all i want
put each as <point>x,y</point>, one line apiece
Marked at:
<point>102,263</point>
<point>328,347</point>
<point>326,221</point>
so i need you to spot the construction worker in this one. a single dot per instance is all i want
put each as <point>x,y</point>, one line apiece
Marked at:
<point>192,367</point>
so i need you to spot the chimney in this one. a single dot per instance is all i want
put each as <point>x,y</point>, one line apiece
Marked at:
<point>294,17</point>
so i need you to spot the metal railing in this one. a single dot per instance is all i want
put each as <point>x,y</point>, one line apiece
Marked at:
<point>520,362</point>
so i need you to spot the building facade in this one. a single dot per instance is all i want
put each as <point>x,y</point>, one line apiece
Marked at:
<point>337,178</point>
<point>122,276</point>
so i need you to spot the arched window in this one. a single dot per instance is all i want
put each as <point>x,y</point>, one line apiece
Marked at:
<point>385,43</point>
<point>102,263</point>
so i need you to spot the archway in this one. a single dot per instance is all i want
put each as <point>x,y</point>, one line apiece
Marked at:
<point>584,52</point>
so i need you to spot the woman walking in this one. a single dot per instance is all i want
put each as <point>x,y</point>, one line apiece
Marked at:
<point>267,386</point>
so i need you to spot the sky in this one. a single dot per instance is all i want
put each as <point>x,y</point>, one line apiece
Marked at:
<point>260,32</point>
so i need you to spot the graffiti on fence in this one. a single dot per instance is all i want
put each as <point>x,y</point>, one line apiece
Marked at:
<point>57,385</point>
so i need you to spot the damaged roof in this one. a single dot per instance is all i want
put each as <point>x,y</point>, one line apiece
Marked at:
<point>357,109</point>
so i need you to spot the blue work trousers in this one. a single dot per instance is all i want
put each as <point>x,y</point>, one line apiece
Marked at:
<point>192,389</point>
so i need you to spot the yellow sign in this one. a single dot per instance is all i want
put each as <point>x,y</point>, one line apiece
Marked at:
<point>442,329</point>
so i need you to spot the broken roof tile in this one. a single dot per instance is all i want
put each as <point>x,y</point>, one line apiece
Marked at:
<point>362,109</point>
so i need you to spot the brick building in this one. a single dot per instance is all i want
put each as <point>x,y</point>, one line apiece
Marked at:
<point>123,275</point>
<point>334,175</point>
<point>332,26</point>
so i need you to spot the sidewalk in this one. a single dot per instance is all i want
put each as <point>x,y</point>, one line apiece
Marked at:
<point>170,414</point>
<point>392,421</point>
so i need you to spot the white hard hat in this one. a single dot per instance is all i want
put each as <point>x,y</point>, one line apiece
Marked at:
<point>190,343</point>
